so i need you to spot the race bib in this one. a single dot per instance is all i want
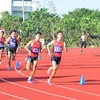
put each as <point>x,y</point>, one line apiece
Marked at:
<point>35,50</point>
<point>58,49</point>
<point>1,45</point>
<point>12,44</point>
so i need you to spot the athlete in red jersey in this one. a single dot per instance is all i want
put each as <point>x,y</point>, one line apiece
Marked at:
<point>58,46</point>
<point>2,42</point>
<point>33,54</point>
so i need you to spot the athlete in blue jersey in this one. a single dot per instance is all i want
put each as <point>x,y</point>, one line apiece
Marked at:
<point>12,44</point>
<point>18,41</point>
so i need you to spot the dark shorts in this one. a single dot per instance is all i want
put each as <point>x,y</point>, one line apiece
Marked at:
<point>2,48</point>
<point>83,43</point>
<point>12,50</point>
<point>56,59</point>
<point>31,59</point>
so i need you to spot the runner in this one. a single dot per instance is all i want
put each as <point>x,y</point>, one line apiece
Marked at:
<point>11,47</point>
<point>83,41</point>
<point>33,52</point>
<point>2,42</point>
<point>58,46</point>
<point>19,40</point>
<point>17,45</point>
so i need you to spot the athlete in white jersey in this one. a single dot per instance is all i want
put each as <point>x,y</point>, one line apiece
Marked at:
<point>83,41</point>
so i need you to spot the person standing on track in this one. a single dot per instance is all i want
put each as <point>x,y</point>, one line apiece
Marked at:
<point>33,52</point>
<point>12,43</point>
<point>2,42</point>
<point>58,46</point>
<point>83,41</point>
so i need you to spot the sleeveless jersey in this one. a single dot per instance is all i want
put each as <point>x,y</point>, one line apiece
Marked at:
<point>57,48</point>
<point>12,42</point>
<point>2,40</point>
<point>83,38</point>
<point>35,48</point>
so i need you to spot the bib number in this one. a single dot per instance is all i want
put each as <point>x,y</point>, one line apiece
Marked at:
<point>1,45</point>
<point>36,50</point>
<point>58,49</point>
<point>12,44</point>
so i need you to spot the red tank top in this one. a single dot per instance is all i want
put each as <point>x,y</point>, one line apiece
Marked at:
<point>57,49</point>
<point>2,40</point>
<point>36,48</point>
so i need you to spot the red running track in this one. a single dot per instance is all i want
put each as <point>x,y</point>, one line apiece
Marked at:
<point>14,86</point>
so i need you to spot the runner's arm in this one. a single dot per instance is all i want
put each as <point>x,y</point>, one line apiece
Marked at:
<point>65,48</point>
<point>7,40</point>
<point>48,46</point>
<point>42,48</point>
<point>27,45</point>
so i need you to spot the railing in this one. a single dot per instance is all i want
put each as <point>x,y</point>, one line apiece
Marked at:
<point>26,9</point>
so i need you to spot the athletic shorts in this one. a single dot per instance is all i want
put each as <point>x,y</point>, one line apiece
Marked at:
<point>31,59</point>
<point>2,48</point>
<point>12,50</point>
<point>56,59</point>
<point>83,43</point>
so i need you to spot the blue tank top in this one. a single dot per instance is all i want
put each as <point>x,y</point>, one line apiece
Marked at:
<point>13,42</point>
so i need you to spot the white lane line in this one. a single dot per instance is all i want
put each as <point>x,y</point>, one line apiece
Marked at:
<point>78,90</point>
<point>4,60</point>
<point>62,64</point>
<point>21,69</point>
<point>22,62</point>
<point>27,76</point>
<point>37,90</point>
<point>13,96</point>
<point>62,86</point>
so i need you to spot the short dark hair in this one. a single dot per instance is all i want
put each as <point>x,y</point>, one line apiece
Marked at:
<point>84,32</point>
<point>13,31</point>
<point>38,33</point>
<point>2,32</point>
<point>59,32</point>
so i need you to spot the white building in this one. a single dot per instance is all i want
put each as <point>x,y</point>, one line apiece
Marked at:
<point>22,7</point>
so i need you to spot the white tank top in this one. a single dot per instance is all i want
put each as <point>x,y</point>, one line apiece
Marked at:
<point>83,38</point>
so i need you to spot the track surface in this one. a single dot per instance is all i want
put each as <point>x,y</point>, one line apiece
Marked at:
<point>14,86</point>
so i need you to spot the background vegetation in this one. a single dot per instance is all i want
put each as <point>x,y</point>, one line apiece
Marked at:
<point>72,24</point>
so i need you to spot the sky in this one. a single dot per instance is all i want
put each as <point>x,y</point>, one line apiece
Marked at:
<point>5,5</point>
<point>62,6</point>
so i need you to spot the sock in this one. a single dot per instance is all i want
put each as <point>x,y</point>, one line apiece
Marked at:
<point>29,78</point>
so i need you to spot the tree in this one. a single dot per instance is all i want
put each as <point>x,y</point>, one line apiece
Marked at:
<point>10,22</point>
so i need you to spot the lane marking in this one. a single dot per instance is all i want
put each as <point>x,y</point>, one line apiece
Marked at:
<point>61,85</point>
<point>44,92</point>
<point>13,96</point>
<point>78,90</point>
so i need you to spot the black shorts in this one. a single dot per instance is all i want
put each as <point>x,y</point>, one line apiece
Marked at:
<point>2,48</point>
<point>56,59</point>
<point>12,50</point>
<point>31,59</point>
<point>83,43</point>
